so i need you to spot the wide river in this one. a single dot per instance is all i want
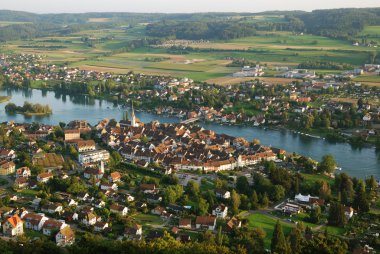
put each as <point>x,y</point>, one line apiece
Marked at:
<point>356,162</point>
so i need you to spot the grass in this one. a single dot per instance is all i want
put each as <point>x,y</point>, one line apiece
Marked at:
<point>145,219</point>
<point>267,224</point>
<point>29,192</point>
<point>313,178</point>
<point>274,48</point>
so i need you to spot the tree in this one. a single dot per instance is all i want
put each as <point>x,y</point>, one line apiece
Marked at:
<point>254,201</point>
<point>202,206</point>
<point>278,193</point>
<point>324,190</point>
<point>278,243</point>
<point>242,185</point>
<point>315,215</point>
<point>192,189</point>
<point>296,240</point>
<point>328,164</point>
<point>360,201</point>
<point>264,200</point>
<point>336,215</point>
<point>235,202</point>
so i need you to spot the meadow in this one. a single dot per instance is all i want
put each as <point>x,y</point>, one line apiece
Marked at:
<point>97,50</point>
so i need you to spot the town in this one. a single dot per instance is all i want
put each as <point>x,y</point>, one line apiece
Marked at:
<point>134,180</point>
<point>331,106</point>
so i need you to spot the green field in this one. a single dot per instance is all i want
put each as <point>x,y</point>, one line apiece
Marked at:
<point>208,61</point>
<point>267,224</point>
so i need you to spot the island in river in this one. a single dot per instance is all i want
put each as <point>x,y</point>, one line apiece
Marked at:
<point>28,109</point>
<point>4,98</point>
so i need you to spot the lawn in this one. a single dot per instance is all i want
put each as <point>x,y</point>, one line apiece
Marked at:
<point>147,219</point>
<point>313,178</point>
<point>267,224</point>
<point>29,192</point>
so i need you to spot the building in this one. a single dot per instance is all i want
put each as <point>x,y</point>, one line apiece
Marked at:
<point>134,232</point>
<point>119,209</point>
<point>219,193</point>
<point>65,236</point>
<point>185,223</point>
<point>93,156</point>
<point>85,145</point>
<point>44,177</point>
<point>34,221</point>
<point>7,167</point>
<point>101,226</point>
<point>220,211</point>
<point>52,225</point>
<point>205,222</point>
<point>72,134</point>
<point>23,172</point>
<point>13,226</point>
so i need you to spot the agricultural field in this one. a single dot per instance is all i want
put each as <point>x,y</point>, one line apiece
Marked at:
<point>97,50</point>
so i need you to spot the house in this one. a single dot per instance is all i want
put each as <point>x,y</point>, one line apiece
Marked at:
<point>88,219</point>
<point>99,204</point>
<point>23,172</point>
<point>65,236</point>
<point>70,216</point>
<point>13,226</point>
<point>88,173</point>
<point>349,212</point>
<point>52,225</point>
<point>119,209</point>
<point>134,232</point>
<point>220,211</point>
<point>72,134</point>
<point>34,221</point>
<point>158,210</point>
<point>7,167</point>
<point>6,154</point>
<point>100,226</point>
<point>85,145</point>
<point>108,186</point>
<point>219,193</point>
<point>148,188</point>
<point>114,177</point>
<point>93,156</point>
<point>52,208</point>
<point>232,224</point>
<point>21,182</point>
<point>83,196</point>
<point>205,222</point>
<point>153,198</point>
<point>44,177</point>
<point>185,223</point>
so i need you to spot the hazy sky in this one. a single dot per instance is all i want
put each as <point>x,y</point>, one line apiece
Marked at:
<point>169,6</point>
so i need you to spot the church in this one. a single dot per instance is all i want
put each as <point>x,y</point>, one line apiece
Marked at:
<point>133,121</point>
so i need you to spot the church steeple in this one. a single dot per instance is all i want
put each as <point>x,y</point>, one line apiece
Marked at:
<point>133,120</point>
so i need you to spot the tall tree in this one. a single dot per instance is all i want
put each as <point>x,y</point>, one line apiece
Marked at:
<point>279,244</point>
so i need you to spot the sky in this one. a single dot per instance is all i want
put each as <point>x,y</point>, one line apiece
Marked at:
<point>177,6</point>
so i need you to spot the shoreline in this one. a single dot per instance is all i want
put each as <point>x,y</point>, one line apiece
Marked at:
<point>122,105</point>
<point>5,99</point>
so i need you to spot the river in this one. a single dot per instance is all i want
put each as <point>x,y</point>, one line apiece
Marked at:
<point>356,162</point>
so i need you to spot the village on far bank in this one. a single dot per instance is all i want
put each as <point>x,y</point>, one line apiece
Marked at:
<point>331,106</point>
<point>132,180</point>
